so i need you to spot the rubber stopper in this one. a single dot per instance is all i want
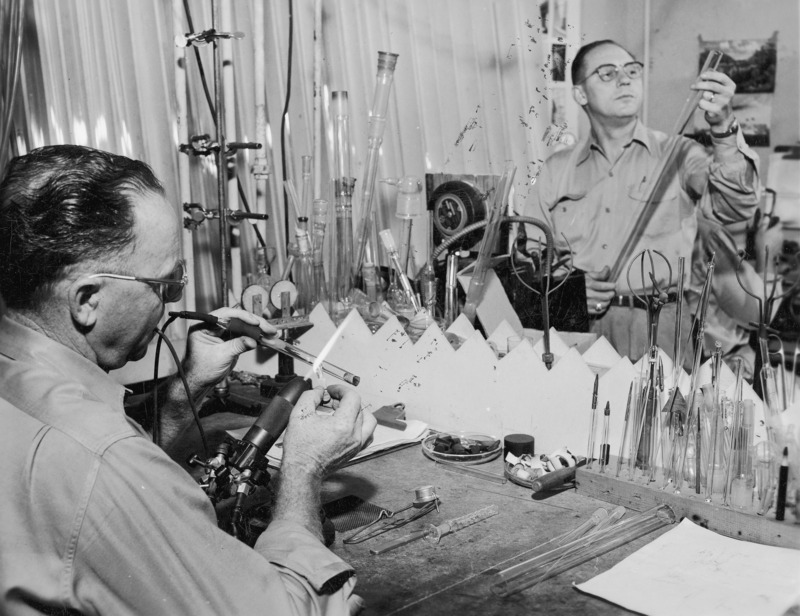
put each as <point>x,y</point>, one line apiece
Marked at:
<point>518,444</point>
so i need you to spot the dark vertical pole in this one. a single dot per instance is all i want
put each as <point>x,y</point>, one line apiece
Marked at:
<point>222,168</point>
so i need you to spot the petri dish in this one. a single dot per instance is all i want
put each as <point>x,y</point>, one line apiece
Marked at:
<point>466,439</point>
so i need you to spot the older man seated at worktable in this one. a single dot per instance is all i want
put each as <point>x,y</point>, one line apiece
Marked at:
<point>96,517</point>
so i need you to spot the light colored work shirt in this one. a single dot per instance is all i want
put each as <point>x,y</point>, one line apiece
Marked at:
<point>96,519</point>
<point>592,201</point>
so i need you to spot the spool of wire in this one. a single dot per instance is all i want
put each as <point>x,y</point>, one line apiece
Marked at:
<point>424,495</point>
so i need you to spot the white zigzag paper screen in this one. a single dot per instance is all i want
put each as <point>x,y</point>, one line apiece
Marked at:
<point>470,389</point>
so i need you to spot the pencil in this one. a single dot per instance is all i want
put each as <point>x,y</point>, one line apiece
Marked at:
<point>783,480</point>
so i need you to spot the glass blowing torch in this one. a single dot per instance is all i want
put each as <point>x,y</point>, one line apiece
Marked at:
<point>237,327</point>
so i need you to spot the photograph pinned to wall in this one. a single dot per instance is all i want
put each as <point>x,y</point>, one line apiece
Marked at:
<point>544,9</point>
<point>751,63</point>
<point>558,134</point>
<point>558,106</point>
<point>558,62</point>
<point>559,21</point>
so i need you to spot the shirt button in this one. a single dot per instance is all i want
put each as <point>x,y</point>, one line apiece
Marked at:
<point>611,174</point>
<point>605,246</point>
<point>608,210</point>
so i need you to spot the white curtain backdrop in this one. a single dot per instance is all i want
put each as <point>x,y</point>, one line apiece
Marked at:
<point>473,88</point>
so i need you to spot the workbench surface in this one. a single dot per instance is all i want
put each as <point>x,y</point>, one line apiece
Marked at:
<point>454,576</point>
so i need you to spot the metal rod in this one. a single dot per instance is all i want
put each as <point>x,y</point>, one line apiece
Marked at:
<point>222,200</point>
<point>676,353</point>
<point>184,167</point>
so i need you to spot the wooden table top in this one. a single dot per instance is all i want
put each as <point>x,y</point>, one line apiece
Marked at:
<point>455,575</point>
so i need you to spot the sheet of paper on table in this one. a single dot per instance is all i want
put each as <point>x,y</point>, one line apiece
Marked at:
<point>383,438</point>
<point>692,570</point>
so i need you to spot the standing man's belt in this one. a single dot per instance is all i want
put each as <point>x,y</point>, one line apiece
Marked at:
<point>631,301</point>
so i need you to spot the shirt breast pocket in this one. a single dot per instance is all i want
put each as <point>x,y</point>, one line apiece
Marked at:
<point>571,220</point>
<point>669,210</point>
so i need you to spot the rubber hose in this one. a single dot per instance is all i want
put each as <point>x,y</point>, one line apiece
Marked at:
<point>548,234</point>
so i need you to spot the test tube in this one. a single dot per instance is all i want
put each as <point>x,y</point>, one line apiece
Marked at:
<point>743,453</point>
<point>717,464</point>
<point>765,476</point>
<point>687,446</point>
<point>320,218</point>
<point>307,190</point>
<point>732,445</point>
<point>391,248</point>
<point>304,272</point>
<point>772,403</point>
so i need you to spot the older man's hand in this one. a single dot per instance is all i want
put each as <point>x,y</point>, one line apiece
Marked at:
<point>209,357</point>
<point>319,441</point>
